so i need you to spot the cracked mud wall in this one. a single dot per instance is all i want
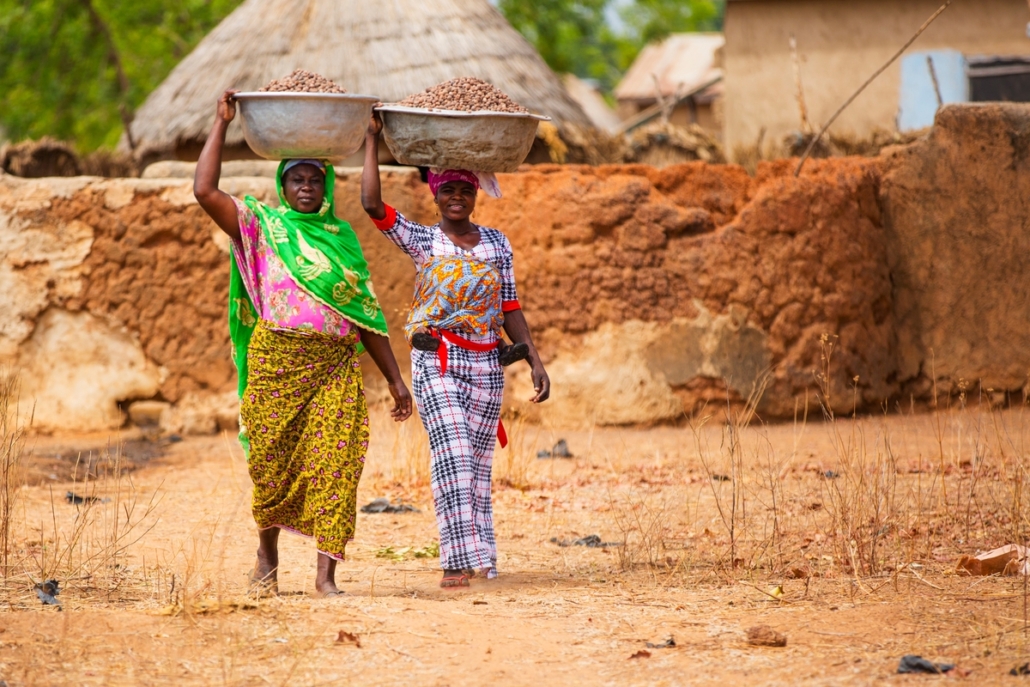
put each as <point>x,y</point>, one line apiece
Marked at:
<point>114,290</point>
<point>653,294</point>
<point>737,278</point>
<point>957,206</point>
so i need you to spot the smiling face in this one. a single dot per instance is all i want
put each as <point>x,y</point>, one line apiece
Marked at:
<point>456,200</point>
<point>304,188</point>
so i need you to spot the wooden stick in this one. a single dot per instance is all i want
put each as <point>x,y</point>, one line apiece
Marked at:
<point>933,77</point>
<point>881,70</point>
<point>799,91</point>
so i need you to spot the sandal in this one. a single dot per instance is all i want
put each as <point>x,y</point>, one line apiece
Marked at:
<point>454,581</point>
<point>424,342</point>
<point>509,355</point>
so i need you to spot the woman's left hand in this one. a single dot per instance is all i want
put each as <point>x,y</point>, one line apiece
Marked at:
<point>375,124</point>
<point>401,402</point>
<point>541,384</point>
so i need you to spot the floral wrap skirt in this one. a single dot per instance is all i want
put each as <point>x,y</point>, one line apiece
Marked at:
<point>306,420</point>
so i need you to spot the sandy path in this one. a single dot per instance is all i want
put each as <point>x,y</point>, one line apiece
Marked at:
<point>558,615</point>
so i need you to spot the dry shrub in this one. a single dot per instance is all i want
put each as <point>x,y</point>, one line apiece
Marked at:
<point>49,157</point>
<point>85,542</point>
<point>11,436</point>
<point>591,146</point>
<point>110,164</point>
<point>46,157</point>
<point>871,512</point>
<point>643,524</point>
<point>796,143</point>
<point>661,144</point>
<point>511,464</point>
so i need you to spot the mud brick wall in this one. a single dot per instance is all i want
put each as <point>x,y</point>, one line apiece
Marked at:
<point>652,293</point>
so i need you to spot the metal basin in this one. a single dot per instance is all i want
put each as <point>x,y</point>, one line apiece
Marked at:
<point>317,125</point>
<point>482,141</point>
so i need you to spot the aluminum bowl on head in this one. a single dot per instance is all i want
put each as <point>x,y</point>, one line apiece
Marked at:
<point>482,141</point>
<point>319,125</point>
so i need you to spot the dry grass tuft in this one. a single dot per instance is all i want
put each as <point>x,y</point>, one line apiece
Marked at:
<point>11,437</point>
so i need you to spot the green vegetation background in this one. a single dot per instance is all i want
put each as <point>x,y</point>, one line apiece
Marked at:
<point>77,69</point>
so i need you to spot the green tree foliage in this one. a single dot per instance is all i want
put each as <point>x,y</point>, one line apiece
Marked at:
<point>651,20</point>
<point>575,35</point>
<point>73,68</point>
<point>571,35</point>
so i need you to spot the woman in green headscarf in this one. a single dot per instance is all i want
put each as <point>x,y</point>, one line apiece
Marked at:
<point>300,299</point>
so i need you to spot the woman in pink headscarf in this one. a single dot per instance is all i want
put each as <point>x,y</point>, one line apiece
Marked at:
<point>464,294</point>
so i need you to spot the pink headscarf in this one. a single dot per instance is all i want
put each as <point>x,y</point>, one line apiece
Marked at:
<point>485,180</point>
<point>439,178</point>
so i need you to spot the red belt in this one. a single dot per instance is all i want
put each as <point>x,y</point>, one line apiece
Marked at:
<point>444,337</point>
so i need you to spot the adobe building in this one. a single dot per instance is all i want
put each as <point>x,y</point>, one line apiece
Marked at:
<point>979,50</point>
<point>684,72</point>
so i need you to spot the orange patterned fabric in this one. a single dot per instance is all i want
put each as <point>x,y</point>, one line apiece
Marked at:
<point>459,294</point>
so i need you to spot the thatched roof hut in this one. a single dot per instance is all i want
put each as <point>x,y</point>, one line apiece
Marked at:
<point>387,48</point>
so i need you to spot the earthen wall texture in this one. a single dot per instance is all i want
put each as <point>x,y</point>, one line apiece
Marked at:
<point>800,258</point>
<point>651,292</point>
<point>957,214</point>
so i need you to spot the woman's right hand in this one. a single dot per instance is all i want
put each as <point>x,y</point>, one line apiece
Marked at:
<point>375,124</point>
<point>227,105</point>
<point>401,410</point>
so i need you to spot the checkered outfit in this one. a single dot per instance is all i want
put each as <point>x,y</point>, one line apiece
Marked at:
<point>461,408</point>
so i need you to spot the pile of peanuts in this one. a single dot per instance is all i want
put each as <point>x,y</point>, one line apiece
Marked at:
<point>301,81</point>
<point>467,94</point>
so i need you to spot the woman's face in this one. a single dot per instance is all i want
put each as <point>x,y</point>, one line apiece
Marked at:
<point>304,188</point>
<point>456,200</point>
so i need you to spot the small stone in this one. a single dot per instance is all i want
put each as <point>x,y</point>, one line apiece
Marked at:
<point>763,635</point>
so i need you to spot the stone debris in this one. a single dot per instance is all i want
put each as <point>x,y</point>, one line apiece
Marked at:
<point>917,664</point>
<point>76,500</point>
<point>669,643</point>
<point>560,450</point>
<point>591,541</point>
<point>1007,561</point>
<point>382,505</point>
<point>763,635</point>
<point>47,592</point>
<point>465,94</point>
<point>302,81</point>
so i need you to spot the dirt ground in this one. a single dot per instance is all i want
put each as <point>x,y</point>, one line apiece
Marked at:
<point>154,579</point>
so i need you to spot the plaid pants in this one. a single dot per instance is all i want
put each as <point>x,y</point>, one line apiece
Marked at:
<point>460,411</point>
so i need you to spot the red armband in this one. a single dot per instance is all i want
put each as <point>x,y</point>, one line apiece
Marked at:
<point>508,306</point>
<point>386,222</point>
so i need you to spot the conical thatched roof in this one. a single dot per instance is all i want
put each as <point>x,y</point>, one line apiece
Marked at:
<point>387,48</point>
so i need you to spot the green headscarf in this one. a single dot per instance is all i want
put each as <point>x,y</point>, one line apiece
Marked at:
<point>323,256</point>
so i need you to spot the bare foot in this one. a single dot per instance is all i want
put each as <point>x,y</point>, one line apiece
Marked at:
<point>326,590</point>
<point>325,577</point>
<point>264,578</point>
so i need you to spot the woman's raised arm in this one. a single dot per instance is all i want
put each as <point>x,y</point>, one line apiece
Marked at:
<point>371,189</point>
<point>216,203</point>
